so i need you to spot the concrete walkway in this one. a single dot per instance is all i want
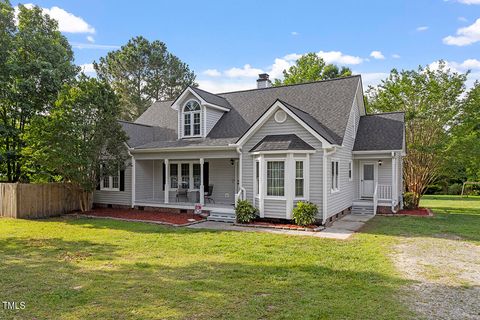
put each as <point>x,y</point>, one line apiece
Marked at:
<point>341,229</point>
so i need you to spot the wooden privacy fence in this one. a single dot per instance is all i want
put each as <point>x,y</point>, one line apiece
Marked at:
<point>23,200</point>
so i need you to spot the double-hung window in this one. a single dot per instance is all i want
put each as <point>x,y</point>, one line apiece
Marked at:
<point>335,176</point>
<point>110,183</point>
<point>276,178</point>
<point>257,178</point>
<point>173,175</point>
<point>299,179</point>
<point>192,119</point>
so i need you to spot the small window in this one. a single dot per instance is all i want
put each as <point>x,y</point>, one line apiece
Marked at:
<point>257,178</point>
<point>350,171</point>
<point>334,175</point>
<point>110,183</point>
<point>275,178</point>
<point>299,179</point>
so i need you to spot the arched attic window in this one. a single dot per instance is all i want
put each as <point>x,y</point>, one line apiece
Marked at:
<point>191,119</point>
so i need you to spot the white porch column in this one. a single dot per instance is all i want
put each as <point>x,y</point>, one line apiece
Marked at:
<point>261,186</point>
<point>167,181</point>
<point>133,181</point>
<point>202,189</point>
<point>289,184</point>
<point>394,179</point>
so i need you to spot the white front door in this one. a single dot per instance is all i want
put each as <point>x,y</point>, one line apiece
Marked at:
<point>367,179</point>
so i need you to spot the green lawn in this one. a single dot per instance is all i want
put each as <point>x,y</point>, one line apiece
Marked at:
<point>70,268</point>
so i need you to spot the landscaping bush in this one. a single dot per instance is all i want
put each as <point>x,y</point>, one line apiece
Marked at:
<point>455,188</point>
<point>245,211</point>
<point>434,189</point>
<point>408,200</point>
<point>304,213</point>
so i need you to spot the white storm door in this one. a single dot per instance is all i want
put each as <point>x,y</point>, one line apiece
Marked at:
<point>367,180</point>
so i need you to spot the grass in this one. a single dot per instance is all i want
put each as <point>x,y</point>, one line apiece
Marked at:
<point>68,268</point>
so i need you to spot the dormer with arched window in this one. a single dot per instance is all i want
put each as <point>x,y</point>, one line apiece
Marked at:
<point>192,119</point>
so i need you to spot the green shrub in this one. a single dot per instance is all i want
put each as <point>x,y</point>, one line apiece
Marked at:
<point>304,213</point>
<point>408,200</point>
<point>245,211</point>
<point>455,188</point>
<point>434,189</point>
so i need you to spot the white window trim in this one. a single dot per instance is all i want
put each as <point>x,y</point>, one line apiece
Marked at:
<point>110,183</point>
<point>335,173</point>
<point>266,196</point>
<point>305,177</point>
<point>191,116</point>
<point>179,174</point>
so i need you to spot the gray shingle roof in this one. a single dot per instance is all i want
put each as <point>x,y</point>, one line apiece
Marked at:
<point>139,134</point>
<point>281,142</point>
<point>187,143</point>
<point>324,105</point>
<point>328,102</point>
<point>212,98</point>
<point>384,131</point>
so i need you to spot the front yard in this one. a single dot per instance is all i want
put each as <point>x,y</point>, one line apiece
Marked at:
<point>70,268</point>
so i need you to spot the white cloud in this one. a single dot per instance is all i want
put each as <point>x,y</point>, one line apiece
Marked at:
<point>396,56</point>
<point>77,45</point>
<point>67,22</point>
<point>469,64</point>
<point>465,36</point>
<point>212,73</point>
<point>90,39</point>
<point>339,57</point>
<point>371,78</point>
<point>462,19</point>
<point>87,68</point>
<point>245,72</point>
<point>226,85</point>
<point>469,1</point>
<point>377,55</point>
<point>422,28</point>
<point>294,33</point>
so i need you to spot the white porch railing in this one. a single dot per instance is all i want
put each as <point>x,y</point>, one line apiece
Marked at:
<point>384,192</point>
<point>241,195</point>
<point>375,199</point>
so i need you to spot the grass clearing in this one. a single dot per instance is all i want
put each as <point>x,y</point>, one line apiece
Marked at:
<point>68,268</point>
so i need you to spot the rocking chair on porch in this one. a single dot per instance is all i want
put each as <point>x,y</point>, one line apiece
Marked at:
<point>208,195</point>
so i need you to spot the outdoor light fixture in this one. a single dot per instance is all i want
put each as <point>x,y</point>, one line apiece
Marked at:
<point>379,162</point>
<point>232,162</point>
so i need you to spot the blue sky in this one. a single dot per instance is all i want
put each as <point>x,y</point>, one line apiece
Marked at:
<point>227,43</point>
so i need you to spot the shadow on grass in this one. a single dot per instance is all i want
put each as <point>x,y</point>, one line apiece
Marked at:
<point>82,279</point>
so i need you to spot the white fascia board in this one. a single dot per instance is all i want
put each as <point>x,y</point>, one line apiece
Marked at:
<point>283,151</point>
<point>214,106</point>
<point>375,151</point>
<point>261,121</point>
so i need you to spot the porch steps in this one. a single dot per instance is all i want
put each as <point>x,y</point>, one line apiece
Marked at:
<point>362,207</point>
<point>222,216</point>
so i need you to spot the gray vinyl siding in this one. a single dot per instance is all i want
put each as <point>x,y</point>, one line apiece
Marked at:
<point>341,200</point>
<point>213,116</point>
<point>385,172</point>
<point>271,127</point>
<point>222,176</point>
<point>144,179</point>
<point>275,209</point>
<point>117,197</point>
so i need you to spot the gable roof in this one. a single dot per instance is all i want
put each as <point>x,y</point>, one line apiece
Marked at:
<point>328,102</point>
<point>383,131</point>
<point>212,98</point>
<point>281,142</point>
<point>323,105</point>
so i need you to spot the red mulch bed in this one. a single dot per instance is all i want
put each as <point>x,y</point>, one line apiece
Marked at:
<point>415,212</point>
<point>157,216</point>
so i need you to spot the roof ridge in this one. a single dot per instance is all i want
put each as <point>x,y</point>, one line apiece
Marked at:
<point>290,85</point>
<point>215,94</point>
<point>135,123</point>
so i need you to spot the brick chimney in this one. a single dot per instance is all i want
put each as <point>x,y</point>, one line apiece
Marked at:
<point>263,81</point>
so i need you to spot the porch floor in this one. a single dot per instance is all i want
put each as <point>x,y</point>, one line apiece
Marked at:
<point>209,206</point>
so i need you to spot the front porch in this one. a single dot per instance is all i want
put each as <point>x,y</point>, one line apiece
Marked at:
<point>182,183</point>
<point>378,182</point>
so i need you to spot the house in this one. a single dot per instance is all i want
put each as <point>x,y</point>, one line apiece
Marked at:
<point>273,146</point>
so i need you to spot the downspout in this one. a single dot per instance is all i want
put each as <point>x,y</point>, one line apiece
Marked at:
<point>325,182</point>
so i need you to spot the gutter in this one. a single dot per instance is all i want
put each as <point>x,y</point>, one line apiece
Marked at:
<point>174,149</point>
